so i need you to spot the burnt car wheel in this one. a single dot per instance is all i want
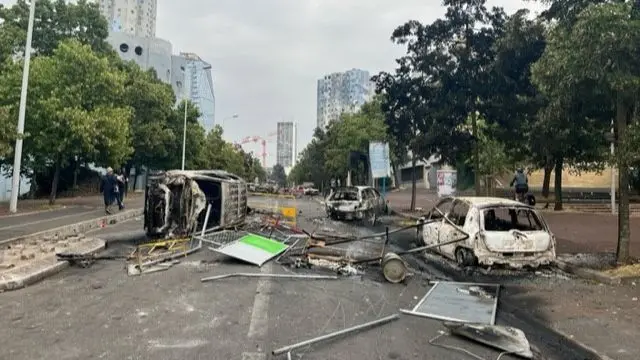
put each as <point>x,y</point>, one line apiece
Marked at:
<point>372,219</point>
<point>465,257</point>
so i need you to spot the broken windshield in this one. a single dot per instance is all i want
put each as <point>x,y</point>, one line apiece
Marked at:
<point>507,219</point>
<point>346,195</point>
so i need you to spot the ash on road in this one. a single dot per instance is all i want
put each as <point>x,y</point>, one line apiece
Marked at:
<point>101,313</point>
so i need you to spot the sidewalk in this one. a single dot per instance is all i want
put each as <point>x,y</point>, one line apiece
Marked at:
<point>69,211</point>
<point>576,232</point>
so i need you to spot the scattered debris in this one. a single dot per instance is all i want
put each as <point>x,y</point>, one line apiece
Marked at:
<point>280,276</point>
<point>288,349</point>
<point>459,302</point>
<point>508,339</point>
<point>252,248</point>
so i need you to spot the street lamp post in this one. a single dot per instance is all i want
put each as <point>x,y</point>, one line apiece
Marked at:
<point>15,185</point>
<point>184,128</point>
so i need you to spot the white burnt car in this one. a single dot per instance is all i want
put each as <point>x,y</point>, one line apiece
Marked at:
<point>500,231</point>
<point>355,203</point>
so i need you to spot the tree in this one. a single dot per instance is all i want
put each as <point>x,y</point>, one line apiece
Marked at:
<point>152,102</point>
<point>195,157</point>
<point>5,134</point>
<point>55,21</point>
<point>311,162</point>
<point>353,132</point>
<point>74,109</point>
<point>600,54</point>
<point>222,155</point>
<point>449,60</point>
<point>278,175</point>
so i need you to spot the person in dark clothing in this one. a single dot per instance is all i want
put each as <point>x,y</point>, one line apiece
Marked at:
<point>521,183</point>
<point>109,189</point>
<point>120,193</point>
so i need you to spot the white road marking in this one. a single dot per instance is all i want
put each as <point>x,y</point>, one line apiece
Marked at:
<point>260,313</point>
<point>253,356</point>
<point>45,220</point>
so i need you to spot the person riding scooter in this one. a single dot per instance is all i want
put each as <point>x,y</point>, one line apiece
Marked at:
<point>521,184</point>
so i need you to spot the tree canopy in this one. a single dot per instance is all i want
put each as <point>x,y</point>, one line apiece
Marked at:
<point>87,106</point>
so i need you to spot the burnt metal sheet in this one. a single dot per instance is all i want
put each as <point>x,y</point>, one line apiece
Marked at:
<point>252,248</point>
<point>460,302</point>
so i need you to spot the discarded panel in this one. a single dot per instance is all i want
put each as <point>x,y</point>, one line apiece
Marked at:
<point>460,302</point>
<point>252,248</point>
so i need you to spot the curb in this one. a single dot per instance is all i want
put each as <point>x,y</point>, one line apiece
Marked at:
<point>77,228</point>
<point>45,267</point>
<point>588,274</point>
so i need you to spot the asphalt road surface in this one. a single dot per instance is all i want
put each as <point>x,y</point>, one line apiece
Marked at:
<point>29,223</point>
<point>101,313</point>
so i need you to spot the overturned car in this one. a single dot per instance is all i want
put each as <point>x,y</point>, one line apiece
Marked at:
<point>493,231</point>
<point>176,202</point>
<point>355,203</point>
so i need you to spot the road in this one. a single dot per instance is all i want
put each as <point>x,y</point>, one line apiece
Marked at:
<point>29,223</point>
<point>101,313</point>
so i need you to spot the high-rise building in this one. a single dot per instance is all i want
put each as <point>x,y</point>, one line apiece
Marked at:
<point>192,78</point>
<point>134,17</point>
<point>286,144</point>
<point>342,92</point>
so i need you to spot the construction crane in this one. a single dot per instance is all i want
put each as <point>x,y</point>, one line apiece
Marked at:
<point>263,143</point>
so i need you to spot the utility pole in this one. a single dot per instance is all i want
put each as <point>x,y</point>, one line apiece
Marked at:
<point>17,160</point>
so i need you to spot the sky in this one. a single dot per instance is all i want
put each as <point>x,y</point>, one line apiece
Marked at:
<point>267,55</point>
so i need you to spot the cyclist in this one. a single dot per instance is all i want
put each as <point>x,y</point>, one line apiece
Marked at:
<point>521,183</point>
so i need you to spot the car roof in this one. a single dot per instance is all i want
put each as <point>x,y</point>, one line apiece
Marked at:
<point>488,201</point>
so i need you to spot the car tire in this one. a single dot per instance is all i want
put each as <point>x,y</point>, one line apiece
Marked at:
<point>465,257</point>
<point>372,218</point>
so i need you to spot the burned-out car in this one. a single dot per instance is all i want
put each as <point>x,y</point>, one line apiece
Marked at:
<point>355,203</point>
<point>176,201</point>
<point>493,231</point>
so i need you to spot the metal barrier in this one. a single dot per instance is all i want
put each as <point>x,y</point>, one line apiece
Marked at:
<point>284,208</point>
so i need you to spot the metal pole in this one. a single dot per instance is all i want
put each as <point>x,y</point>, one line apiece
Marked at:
<point>289,348</point>
<point>206,220</point>
<point>280,276</point>
<point>184,133</point>
<point>17,159</point>
<point>613,172</point>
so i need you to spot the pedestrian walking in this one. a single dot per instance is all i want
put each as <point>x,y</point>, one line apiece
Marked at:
<point>125,191</point>
<point>121,190</point>
<point>109,189</point>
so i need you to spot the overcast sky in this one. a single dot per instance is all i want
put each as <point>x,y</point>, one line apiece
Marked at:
<point>267,55</point>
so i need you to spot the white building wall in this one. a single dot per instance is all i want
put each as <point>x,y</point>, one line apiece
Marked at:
<point>134,17</point>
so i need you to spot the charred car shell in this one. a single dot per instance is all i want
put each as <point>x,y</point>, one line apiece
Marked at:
<point>176,201</point>
<point>355,203</point>
<point>500,232</point>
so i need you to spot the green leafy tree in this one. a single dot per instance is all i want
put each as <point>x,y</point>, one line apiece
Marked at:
<point>55,21</point>
<point>579,59</point>
<point>74,109</point>
<point>311,162</point>
<point>152,102</point>
<point>353,132</point>
<point>279,176</point>
<point>195,156</point>
<point>220,154</point>
<point>451,58</point>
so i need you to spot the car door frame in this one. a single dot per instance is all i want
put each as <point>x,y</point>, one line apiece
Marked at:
<point>432,229</point>
<point>379,202</point>
<point>448,232</point>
